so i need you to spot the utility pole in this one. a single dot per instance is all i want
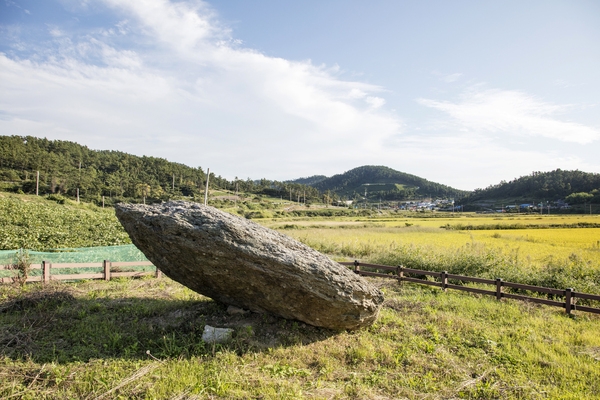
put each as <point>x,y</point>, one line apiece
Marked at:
<point>206,188</point>
<point>173,187</point>
<point>77,195</point>
<point>37,185</point>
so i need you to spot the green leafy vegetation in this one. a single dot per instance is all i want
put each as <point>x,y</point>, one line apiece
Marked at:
<point>35,223</point>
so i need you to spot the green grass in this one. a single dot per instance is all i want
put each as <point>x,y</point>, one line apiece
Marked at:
<point>91,339</point>
<point>141,339</point>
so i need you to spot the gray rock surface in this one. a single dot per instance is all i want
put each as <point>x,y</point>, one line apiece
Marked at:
<point>240,263</point>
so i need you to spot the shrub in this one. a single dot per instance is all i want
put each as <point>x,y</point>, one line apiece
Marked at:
<point>21,267</point>
<point>57,198</point>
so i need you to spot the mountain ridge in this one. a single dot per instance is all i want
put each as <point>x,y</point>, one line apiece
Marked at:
<point>382,182</point>
<point>68,167</point>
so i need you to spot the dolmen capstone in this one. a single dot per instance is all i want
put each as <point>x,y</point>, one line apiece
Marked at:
<point>238,262</point>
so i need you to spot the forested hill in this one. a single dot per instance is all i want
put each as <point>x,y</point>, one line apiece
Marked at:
<point>544,186</point>
<point>385,183</point>
<point>311,180</point>
<point>66,166</point>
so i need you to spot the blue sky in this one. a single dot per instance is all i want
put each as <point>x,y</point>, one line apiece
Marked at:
<point>465,93</point>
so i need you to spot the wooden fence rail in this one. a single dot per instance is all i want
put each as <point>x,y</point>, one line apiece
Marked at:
<point>399,273</point>
<point>107,273</point>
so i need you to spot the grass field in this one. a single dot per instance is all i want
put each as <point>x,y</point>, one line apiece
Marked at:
<point>534,254</point>
<point>140,339</point>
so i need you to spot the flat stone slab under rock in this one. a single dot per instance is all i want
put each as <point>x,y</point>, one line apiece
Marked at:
<point>243,264</point>
<point>216,335</point>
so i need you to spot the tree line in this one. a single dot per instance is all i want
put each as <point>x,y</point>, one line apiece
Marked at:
<point>573,186</point>
<point>66,168</point>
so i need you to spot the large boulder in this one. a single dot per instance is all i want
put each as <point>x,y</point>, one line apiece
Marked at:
<point>240,263</point>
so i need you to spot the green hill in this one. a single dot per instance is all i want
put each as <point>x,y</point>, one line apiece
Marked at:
<point>311,180</point>
<point>67,167</point>
<point>379,182</point>
<point>544,186</point>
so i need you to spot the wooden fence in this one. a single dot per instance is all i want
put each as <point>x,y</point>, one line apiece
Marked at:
<point>399,273</point>
<point>108,271</point>
<point>570,296</point>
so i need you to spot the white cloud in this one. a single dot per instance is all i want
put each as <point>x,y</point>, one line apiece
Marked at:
<point>169,80</point>
<point>448,78</point>
<point>452,77</point>
<point>356,93</point>
<point>466,160</point>
<point>55,32</point>
<point>375,102</point>
<point>512,113</point>
<point>191,94</point>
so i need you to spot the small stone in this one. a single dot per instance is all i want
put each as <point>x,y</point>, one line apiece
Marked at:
<point>233,310</point>
<point>216,335</point>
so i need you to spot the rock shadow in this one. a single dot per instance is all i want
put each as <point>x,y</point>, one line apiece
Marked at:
<point>52,325</point>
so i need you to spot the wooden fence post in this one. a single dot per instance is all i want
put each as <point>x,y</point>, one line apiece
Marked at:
<point>46,271</point>
<point>569,300</point>
<point>106,266</point>
<point>356,267</point>
<point>400,273</point>
<point>499,288</point>
<point>444,277</point>
<point>158,273</point>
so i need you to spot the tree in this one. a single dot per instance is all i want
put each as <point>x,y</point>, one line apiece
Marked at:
<point>579,198</point>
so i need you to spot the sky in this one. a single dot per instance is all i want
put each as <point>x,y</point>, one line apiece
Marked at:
<point>464,93</point>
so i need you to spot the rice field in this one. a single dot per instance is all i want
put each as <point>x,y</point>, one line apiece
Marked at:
<point>382,235</point>
<point>524,250</point>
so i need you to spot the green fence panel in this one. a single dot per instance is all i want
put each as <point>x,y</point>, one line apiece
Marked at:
<point>78,255</point>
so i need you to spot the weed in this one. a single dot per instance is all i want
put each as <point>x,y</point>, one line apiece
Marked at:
<point>21,267</point>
